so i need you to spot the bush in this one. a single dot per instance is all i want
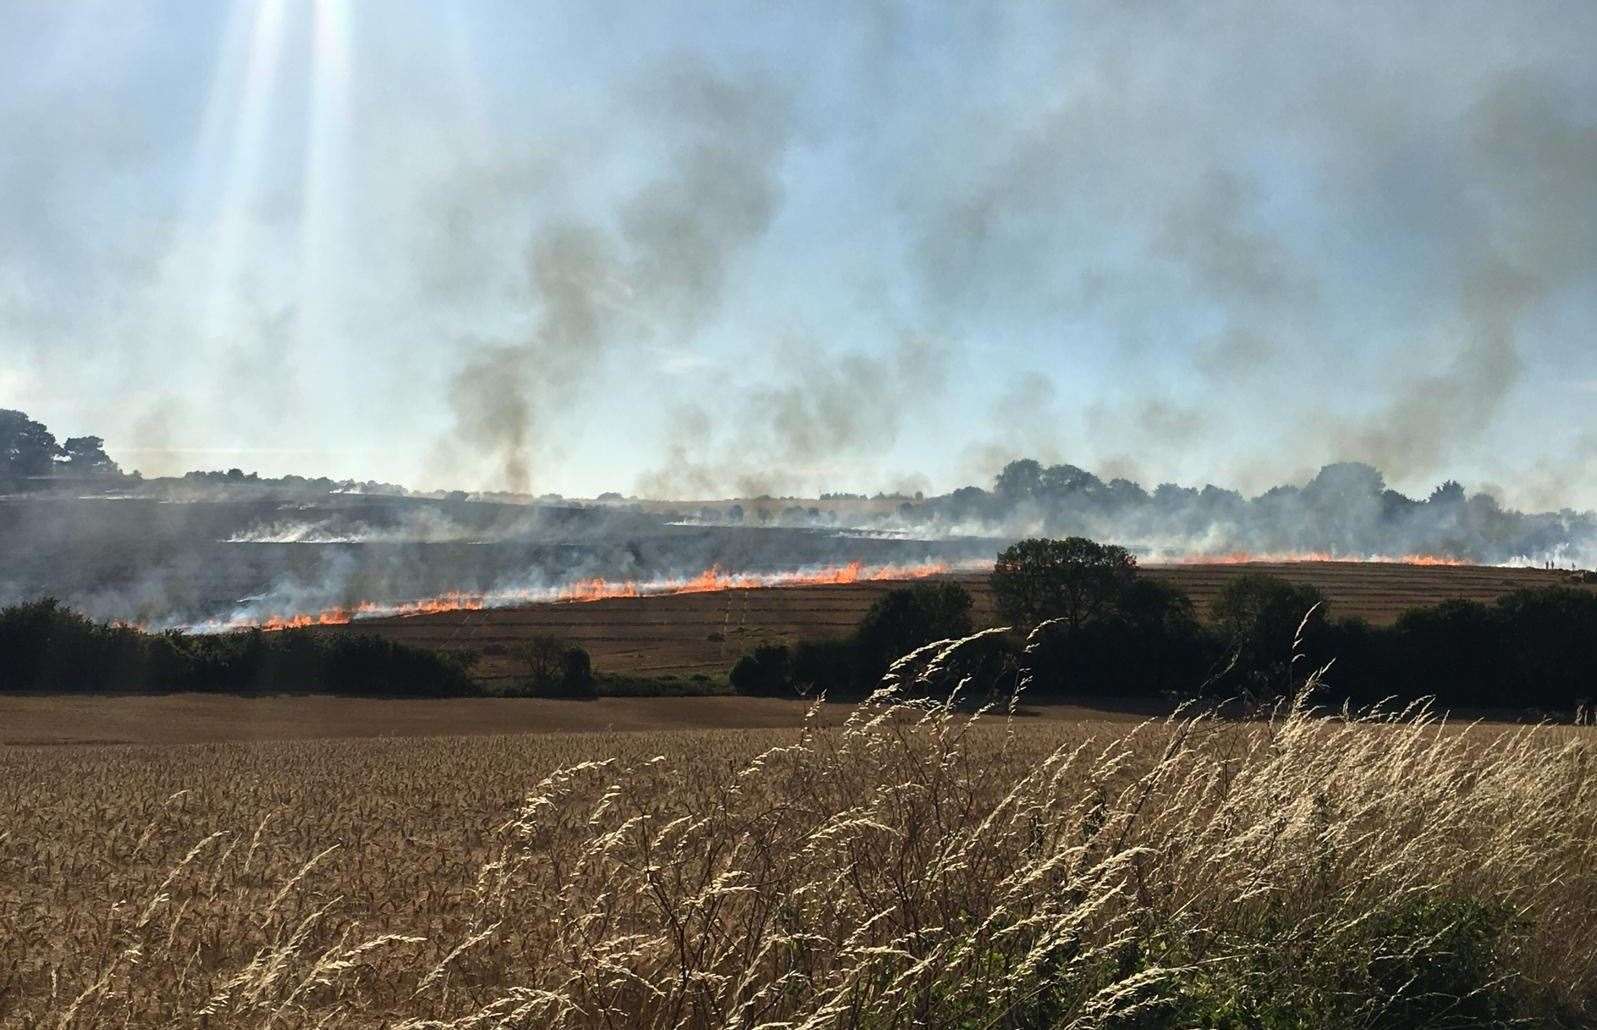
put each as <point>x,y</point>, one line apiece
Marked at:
<point>47,648</point>
<point>1258,618</point>
<point>824,666</point>
<point>1548,647</point>
<point>1074,579</point>
<point>1456,649</point>
<point>763,672</point>
<point>1416,962</point>
<point>1150,643</point>
<point>556,668</point>
<point>902,620</point>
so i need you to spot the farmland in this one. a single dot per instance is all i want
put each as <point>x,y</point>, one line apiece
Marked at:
<point>688,635</point>
<point>353,883</point>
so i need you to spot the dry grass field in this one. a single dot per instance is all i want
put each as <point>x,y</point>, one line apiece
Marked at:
<point>907,869</point>
<point>63,720</point>
<point>473,863</point>
<point>685,635</point>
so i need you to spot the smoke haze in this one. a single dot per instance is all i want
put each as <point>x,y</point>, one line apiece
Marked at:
<point>788,251</point>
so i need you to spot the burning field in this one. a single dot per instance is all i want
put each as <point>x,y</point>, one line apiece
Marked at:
<point>702,631</point>
<point>276,561</point>
<point>710,581</point>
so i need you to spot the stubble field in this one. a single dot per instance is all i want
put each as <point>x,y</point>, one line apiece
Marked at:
<point>685,635</point>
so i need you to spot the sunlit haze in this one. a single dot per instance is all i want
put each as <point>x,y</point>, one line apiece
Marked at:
<point>712,250</point>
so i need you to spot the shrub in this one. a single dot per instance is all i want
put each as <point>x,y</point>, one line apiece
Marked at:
<point>1549,646</point>
<point>556,668</point>
<point>1074,579</point>
<point>763,672</point>
<point>1258,617</point>
<point>1149,643</point>
<point>825,666</point>
<point>906,618</point>
<point>47,648</point>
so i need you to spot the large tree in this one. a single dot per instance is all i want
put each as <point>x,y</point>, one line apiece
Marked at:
<point>27,448</point>
<point>907,618</point>
<point>85,455</point>
<point>1259,616</point>
<point>1074,579</point>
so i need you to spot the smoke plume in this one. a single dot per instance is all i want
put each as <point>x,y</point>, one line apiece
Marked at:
<point>652,272</point>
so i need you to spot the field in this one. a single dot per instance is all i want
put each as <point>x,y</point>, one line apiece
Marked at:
<point>68,720</point>
<point>688,635</point>
<point>708,862</point>
<point>909,871</point>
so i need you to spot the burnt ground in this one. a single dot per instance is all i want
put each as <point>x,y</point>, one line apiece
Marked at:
<point>161,563</point>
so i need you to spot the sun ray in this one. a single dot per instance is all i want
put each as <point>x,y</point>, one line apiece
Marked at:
<point>245,163</point>
<point>324,229</point>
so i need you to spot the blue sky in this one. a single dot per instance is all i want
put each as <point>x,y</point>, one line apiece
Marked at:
<point>703,249</point>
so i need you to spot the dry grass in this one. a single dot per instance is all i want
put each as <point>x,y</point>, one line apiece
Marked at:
<point>916,867</point>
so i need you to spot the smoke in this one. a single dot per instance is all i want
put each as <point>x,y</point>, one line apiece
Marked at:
<point>1349,240</point>
<point>1027,419</point>
<point>1179,241</point>
<point>1345,511</point>
<point>820,423</point>
<point>652,272</point>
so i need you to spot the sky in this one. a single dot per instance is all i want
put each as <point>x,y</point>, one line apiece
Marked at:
<point>711,249</point>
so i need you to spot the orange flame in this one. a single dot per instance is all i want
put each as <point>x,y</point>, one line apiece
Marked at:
<point>1247,558</point>
<point>710,580</point>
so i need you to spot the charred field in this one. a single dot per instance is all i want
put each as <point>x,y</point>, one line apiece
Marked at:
<point>163,561</point>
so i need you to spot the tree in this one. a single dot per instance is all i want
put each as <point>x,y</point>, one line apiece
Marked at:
<point>763,672</point>
<point>27,448</point>
<point>1019,480</point>
<point>1258,616</point>
<point>904,619</point>
<point>1074,579</point>
<point>85,455</point>
<point>1148,643</point>
<point>824,666</point>
<point>557,668</point>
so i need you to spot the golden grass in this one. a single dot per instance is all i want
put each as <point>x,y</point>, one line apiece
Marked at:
<point>915,867</point>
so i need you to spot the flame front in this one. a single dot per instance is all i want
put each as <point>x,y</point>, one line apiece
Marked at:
<point>1287,558</point>
<point>713,579</point>
<point>710,580</point>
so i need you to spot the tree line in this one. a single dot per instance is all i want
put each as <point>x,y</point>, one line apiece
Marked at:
<point>28,450</point>
<point>1084,623</point>
<point>47,648</point>
<point>1346,509</point>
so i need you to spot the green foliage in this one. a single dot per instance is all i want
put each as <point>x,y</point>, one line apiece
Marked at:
<point>607,684</point>
<point>1258,618</point>
<point>1426,963</point>
<point>46,648</point>
<point>556,668</point>
<point>1074,579</point>
<point>825,666</point>
<point>763,672</point>
<point>904,619</point>
<point>27,448</point>
<point>1148,643</point>
<point>901,620</point>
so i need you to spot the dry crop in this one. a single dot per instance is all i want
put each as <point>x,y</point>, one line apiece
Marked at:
<point>917,867</point>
